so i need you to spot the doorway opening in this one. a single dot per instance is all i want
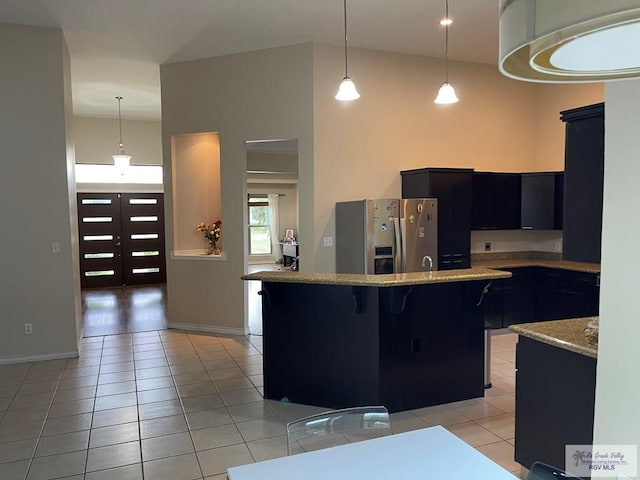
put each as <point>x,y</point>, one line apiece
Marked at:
<point>272,213</point>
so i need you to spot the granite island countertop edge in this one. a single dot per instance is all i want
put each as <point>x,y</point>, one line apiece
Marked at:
<point>521,263</point>
<point>385,280</point>
<point>567,334</point>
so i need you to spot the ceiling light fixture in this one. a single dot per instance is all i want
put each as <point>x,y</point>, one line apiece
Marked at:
<point>347,90</point>
<point>121,159</point>
<point>446,94</point>
<point>569,41</point>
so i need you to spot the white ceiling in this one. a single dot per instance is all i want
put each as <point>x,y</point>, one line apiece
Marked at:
<point>116,46</point>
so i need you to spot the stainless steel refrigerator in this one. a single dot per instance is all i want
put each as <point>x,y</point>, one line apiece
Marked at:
<point>387,235</point>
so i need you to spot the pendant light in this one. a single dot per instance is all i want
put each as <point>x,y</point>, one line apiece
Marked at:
<point>570,41</point>
<point>347,90</point>
<point>121,159</point>
<point>446,94</point>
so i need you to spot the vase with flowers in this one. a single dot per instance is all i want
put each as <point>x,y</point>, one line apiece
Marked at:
<point>212,235</point>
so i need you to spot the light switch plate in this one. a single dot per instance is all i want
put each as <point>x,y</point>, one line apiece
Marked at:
<point>327,241</point>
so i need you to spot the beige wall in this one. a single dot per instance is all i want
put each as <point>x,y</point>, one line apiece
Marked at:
<point>96,140</point>
<point>550,101</point>
<point>617,387</point>
<point>37,200</point>
<point>498,125</point>
<point>257,95</point>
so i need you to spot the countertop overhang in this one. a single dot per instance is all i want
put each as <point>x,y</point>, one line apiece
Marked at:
<point>519,263</point>
<point>567,334</point>
<point>385,280</point>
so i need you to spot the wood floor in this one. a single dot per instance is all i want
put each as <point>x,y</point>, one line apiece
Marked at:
<point>129,309</point>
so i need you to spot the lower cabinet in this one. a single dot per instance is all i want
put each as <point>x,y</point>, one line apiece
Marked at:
<point>537,294</point>
<point>403,347</point>
<point>566,294</point>
<point>555,397</point>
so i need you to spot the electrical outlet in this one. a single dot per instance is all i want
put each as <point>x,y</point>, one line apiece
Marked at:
<point>28,329</point>
<point>327,241</point>
<point>487,246</point>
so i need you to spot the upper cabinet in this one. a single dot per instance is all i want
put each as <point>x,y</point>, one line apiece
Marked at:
<point>583,183</point>
<point>452,188</point>
<point>495,201</point>
<point>542,200</point>
<point>513,201</point>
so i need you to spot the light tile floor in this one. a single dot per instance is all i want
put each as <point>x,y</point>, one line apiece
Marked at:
<point>183,406</point>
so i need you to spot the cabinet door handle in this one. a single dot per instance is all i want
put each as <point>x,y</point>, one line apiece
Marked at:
<point>527,228</point>
<point>265,293</point>
<point>485,290</point>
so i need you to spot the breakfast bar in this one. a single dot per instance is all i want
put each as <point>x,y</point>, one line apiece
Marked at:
<point>401,340</point>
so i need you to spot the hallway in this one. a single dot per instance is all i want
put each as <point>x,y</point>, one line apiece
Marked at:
<point>130,309</point>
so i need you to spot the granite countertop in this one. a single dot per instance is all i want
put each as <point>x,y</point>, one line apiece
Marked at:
<point>567,334</point>
<point>386,280</point>
<point>561,264</point>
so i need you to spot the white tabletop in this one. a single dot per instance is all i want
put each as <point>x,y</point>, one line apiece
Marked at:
<point>429,453</point>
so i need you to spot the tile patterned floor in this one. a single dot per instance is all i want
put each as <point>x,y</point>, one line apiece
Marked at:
<point>181,406</point>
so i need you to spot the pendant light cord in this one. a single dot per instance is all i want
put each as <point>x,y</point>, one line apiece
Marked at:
<point>121,148</point>
<point>446,41</point>
<point>346,70</point>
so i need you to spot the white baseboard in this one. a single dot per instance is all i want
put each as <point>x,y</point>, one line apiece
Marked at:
<point>209,329</point>
<point>37,358</point>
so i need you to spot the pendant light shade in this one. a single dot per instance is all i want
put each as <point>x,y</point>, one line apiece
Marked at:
<point>121,159</point>
<point>570,41</point>
<point>446,94</point>
<point>347,90</point>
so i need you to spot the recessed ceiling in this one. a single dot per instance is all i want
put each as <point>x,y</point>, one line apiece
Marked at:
<point>116,46</point>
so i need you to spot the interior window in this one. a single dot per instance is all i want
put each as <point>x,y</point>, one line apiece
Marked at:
<point>259,228</point>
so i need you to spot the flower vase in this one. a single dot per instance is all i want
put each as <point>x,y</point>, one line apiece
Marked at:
<point>207,247</point>
<point>217,250</point>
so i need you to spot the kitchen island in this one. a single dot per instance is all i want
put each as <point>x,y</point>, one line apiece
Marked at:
<point>404,341</point>
<point>555,389</point>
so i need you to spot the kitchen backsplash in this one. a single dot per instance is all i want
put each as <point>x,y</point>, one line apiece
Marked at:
<point>516,241</point>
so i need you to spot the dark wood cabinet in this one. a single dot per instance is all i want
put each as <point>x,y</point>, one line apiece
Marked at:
<point>519,297</point>
<point>495,201</point>
<point>583,183</point>
<point>566,294</point>
<point>542,201</point>
<point>404,347</point>
<point>511,300</point>
<point>555,399</point>
<point>452,188</point>
<point>537,294</point>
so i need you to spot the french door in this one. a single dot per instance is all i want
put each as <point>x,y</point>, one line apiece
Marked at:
<point>121,239</point>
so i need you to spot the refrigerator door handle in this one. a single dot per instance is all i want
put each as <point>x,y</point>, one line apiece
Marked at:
<point>398,254</point>
<point>403,241</point>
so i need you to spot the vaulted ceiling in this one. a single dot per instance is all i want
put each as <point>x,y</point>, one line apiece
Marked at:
<point>116,46</point>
